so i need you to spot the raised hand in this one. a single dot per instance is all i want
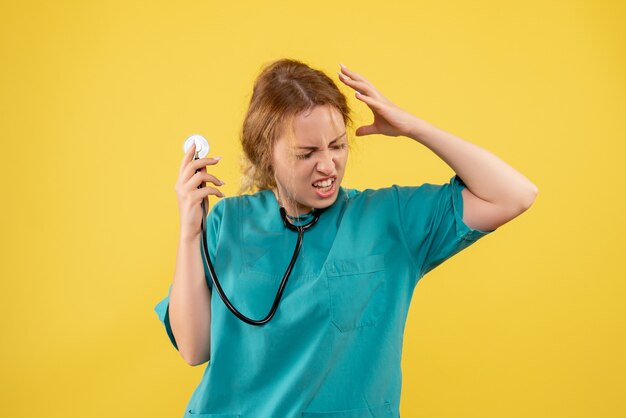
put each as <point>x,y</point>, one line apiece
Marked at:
<point>389,119</point>
<point>190,191</point>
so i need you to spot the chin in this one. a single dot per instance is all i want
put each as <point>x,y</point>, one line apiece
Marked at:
<point>322,204</point>
<point>317,202</point>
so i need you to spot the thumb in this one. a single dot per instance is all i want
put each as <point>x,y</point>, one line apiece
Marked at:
<point>366,130</point>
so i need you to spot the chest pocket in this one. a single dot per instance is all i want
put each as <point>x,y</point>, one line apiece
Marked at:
<point>357,291</point>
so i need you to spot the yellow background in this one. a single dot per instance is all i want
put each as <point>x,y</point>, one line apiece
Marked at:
<point>97,98</point>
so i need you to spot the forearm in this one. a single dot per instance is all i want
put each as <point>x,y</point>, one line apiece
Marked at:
<point>190,303</point>
<point>484,174</point>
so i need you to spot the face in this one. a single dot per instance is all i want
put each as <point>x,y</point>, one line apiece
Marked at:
<point>309,168</point>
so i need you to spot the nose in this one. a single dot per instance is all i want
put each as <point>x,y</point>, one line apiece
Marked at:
<point>325,163</point>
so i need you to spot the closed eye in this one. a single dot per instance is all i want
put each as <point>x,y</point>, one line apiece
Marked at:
<point>306,156</point>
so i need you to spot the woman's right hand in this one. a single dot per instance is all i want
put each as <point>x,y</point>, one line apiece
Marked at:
<point>189,196</point>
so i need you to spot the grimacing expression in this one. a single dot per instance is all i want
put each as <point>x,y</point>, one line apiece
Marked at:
<point>309,165</point>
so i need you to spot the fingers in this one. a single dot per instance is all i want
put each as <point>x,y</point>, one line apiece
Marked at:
<point>359,86</point>
<point>204,192</point>
<point>187,158</point>
<point>370,101</point>
<point>200,178</point>
<point>192,166</point>
<point>196,188</point>
<point>193,173</point>
<point>362,85</point>
<point>353,75</point>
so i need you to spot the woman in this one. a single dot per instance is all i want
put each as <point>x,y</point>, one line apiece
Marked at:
<point>333,348</point>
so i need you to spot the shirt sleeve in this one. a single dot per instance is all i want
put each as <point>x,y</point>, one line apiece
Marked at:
<point>212,231</point>
<point>431,217</point>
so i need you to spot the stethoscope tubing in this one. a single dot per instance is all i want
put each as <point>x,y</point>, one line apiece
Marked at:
<point>216,284</point>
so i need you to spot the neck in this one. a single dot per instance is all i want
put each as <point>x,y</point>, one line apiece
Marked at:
<point>291,211</point>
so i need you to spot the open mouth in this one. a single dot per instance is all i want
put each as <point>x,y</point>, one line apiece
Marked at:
<point>325,186</point>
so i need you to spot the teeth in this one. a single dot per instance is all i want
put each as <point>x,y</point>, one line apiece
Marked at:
<point>324,183</point>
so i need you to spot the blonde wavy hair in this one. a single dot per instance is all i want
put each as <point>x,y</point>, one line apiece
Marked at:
<point>283,89</point>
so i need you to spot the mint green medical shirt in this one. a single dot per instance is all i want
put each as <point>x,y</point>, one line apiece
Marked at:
<point>333,348</point>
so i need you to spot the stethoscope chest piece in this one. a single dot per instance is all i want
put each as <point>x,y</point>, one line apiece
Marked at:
<point>202,145</point>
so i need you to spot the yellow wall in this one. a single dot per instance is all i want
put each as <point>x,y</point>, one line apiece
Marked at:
<point>97,98</point>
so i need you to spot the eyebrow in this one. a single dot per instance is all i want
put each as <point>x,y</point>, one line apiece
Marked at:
<point>331,142</point>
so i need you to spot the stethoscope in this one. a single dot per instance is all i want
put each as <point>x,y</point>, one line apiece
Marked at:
<point>202,150</point>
